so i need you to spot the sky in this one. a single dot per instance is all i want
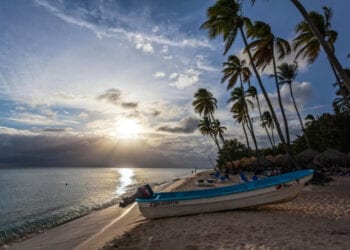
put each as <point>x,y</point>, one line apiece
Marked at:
<point>110,83</point>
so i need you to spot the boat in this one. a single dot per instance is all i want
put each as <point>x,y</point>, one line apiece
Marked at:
<point>269,190</point>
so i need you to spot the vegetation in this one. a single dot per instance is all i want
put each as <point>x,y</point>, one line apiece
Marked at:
<point>266,50</point>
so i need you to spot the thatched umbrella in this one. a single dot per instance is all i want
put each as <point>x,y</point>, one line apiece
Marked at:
<point>331,158</point>
<point>243,162</point>
<point>306,156</point>
<point>264,163</point>
<point>270,157</point>
<point>281,160</point>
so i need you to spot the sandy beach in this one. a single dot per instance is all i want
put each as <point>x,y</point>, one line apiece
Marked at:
<point>319,218</point>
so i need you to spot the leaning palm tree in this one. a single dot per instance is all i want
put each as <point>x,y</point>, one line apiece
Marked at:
<point>240,107</point>
<point>328,50</point>
<point>204,103</point>
<point>240,116</point>
<point>253,93</point>
<point>206,129</point>
<point>225,19</point>
<point>325,45</point>
<point>286,74</point>
<point>267,122</point>
<point>264,47</point>
<point>306,43</point>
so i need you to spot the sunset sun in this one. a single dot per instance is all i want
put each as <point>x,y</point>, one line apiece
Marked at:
<point>128,128</point>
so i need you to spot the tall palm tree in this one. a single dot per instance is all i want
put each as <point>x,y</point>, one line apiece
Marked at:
<point>264,54</point>
<point>204,103</point>
<point>267,122</point>
<point>286,74</point>
<point>206,129</point>
<point>240,116</point>
<point>325,45</point>
<point>240,110</point>
<point>328,50</point>
<point>225,19</point>
<point>252,92</point>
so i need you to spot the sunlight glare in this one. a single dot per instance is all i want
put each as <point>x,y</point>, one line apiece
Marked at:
<point>128,128</point>
<point>125,179</point>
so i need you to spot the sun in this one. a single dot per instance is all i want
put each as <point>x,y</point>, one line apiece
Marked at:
<point>128,128</point>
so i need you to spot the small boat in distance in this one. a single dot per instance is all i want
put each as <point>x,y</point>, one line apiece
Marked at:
<point>274,189</point>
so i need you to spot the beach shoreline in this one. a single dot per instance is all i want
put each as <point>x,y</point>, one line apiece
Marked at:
<point>323,211</point>
<point>87,229</point>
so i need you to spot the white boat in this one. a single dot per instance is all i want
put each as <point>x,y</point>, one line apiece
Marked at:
<point>275,189</point>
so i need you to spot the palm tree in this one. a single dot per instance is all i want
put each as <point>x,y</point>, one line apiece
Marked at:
<point>206,129</point>
<point>325,45</point>
<point>252,92</point>
<point>330,53</point>
<point>240,110</point>
<point>204,103</point>
<point>264,53</point>
<point>267,122</point>
<point>286,74</point>
<point>309,120</point>
<point>225,19</point>
<point>233,69</point>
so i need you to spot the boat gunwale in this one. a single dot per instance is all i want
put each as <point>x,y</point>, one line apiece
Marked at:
<point>228,190</point>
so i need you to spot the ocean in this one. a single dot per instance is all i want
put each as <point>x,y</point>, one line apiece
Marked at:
<point>37,199</point>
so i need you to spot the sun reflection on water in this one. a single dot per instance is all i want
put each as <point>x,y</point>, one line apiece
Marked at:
<point>125,179</point>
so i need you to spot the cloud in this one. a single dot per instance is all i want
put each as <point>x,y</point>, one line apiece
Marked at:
<point>98,151</point>
<point>186,79</point>
<point>159,75</point>
<point>111,95</point>
<point>106,19</point>
<point>186,125</point>
<point>37,119</point>
<point>130,105</point>
<point>55,130</point>
<point>143,45</point>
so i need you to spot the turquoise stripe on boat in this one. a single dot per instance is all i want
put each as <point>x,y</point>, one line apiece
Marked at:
<point>227,190</point>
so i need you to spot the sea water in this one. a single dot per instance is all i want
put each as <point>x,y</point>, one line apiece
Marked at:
<point>37,199</point>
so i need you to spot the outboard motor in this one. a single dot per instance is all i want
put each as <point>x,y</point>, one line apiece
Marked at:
<point>144,192</point>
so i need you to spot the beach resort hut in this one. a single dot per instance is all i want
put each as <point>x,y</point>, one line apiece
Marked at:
<point>270,157</point>
<point>281,160</point>
<point>306,157</point>
<point>264,164</point>
<point>331,159</point>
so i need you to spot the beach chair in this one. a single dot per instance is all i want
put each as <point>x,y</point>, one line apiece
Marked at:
<point>243,178</point>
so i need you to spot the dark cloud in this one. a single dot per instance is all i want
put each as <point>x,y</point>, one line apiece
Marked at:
<point>186,125</point>
<point>130,105</point>
<point>87,151</point>
<point>57,130</point>
<point>155,113</point>
<point>111,95</point>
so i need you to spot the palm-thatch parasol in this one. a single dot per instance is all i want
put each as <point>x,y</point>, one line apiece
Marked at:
<point>281,160</point>
<point>306,156</point>
<point>264,163</point>
<point>270,157</point>
<point>331,158</point>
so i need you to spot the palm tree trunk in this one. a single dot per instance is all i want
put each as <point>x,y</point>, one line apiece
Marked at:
<point>274,117</point>
<point>346,99</point>
<point>333,59</point>
<point>250,124</point>
<point>246,136</point>
<point>299,117</point>
<point>266,131</point>
<point>286,127</point>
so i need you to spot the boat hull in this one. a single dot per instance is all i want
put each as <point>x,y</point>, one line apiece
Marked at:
<point>252,197</point>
